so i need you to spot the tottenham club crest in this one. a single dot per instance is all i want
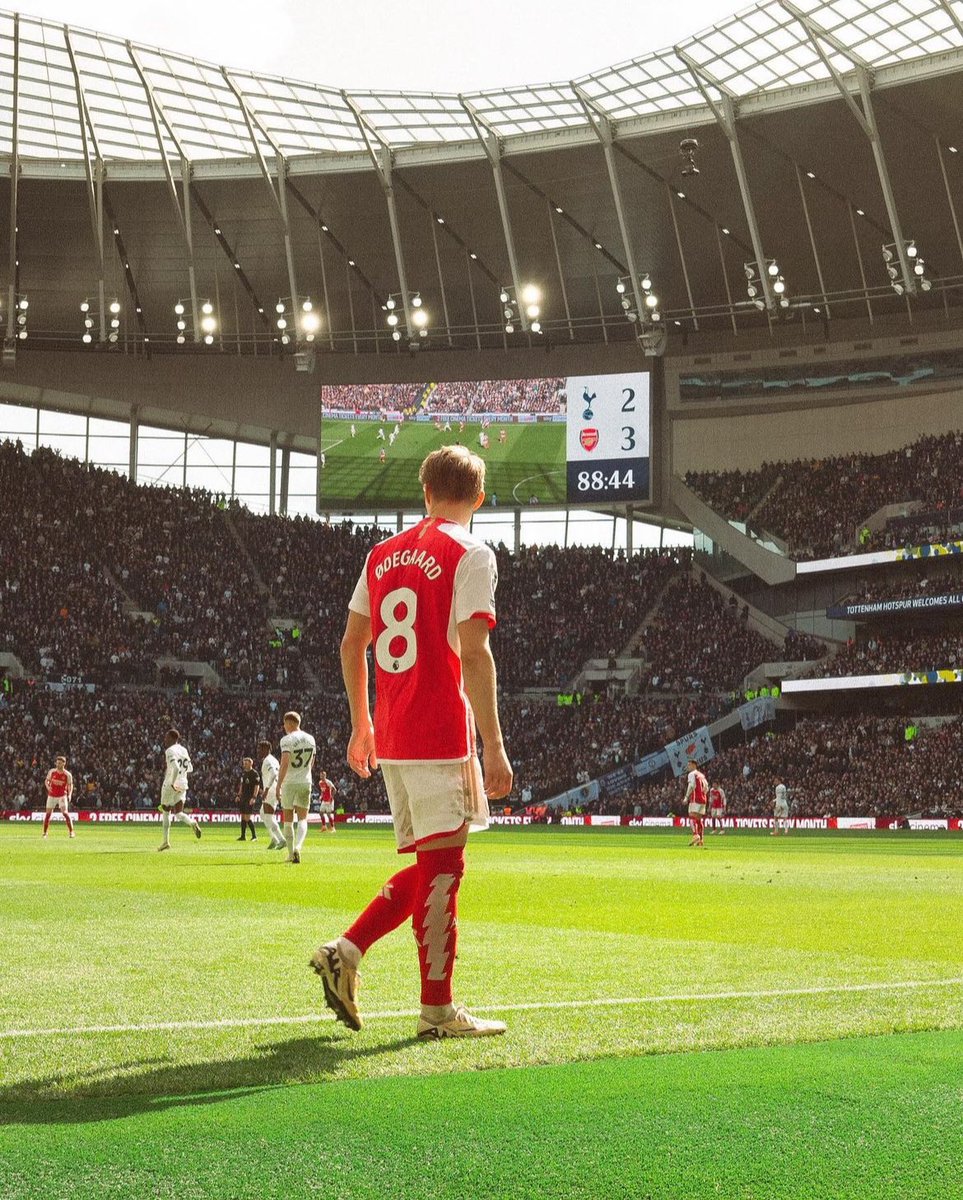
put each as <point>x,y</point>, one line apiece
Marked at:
<point>589,438</point>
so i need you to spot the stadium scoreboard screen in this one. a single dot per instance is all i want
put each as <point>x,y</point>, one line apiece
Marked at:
<point>607,438</point>
<point>581,440</point>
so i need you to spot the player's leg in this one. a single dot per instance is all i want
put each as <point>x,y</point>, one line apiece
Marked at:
<point>166,826</point>
<point>300,832</point>
<point>70,825</point>
<point>46,818</point>
<point>184,818</point>
<point>271,825</point>
<point>288,817</point>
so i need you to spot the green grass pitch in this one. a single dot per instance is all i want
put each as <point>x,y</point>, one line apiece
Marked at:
<point>765,1019</point>
<point>530,463</point>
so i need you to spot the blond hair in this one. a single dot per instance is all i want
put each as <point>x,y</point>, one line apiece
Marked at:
<point>293,717</point>
<point>453,473</point>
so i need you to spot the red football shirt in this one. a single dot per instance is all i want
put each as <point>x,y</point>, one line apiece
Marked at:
<point>416,588</point>
<point>57,783</point>
<point>325,792</point>
<point>717,797</point>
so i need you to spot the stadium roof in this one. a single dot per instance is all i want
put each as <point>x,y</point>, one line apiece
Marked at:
<point>826,129</point>
<point>136,97</point>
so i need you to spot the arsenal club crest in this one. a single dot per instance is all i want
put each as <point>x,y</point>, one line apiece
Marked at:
<point>589,438</point>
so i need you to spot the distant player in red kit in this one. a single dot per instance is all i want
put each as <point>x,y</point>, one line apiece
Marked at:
<point>59,786</point>
<point>717,807</point>
<point>326,794</point>
<point>426,600</point>
<point>697,794</point>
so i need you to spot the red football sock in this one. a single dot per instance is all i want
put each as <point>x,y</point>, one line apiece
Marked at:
<point>392,905</point>
<point>46,820</point>
<point>434,920</point>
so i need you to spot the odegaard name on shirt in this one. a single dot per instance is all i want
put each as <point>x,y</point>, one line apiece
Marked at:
<point>409,558</point>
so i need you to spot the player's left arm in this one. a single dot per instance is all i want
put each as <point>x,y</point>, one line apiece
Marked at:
<point>70,785</point>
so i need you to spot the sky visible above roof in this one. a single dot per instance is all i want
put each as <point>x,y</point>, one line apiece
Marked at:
<point>382,45</point>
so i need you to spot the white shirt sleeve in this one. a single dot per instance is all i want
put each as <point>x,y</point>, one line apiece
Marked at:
<point>691,786</point>
<point>360,601</point>
<point>476,578</point>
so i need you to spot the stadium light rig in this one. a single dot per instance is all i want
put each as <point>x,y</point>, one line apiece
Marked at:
<point>527,300</point>
<point>305,321</point>
<point>398,305</point>
<point>207,323</point>
<point>109,325</point>
<point>754,287</point>
<point>21,306</point>
<point>650,301</point>
<point>890,257</point>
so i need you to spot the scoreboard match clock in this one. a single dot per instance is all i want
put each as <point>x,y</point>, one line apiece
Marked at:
<point>607,438</point>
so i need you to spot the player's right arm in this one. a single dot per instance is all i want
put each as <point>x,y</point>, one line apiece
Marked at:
<point>46,781</point>
<point>354,668</point>
<point>478,671</point>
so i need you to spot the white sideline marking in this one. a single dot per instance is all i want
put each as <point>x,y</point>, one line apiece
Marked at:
<point>534,1006</point>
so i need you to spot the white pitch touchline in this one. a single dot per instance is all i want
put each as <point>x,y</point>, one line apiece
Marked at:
<point>533,1006</point>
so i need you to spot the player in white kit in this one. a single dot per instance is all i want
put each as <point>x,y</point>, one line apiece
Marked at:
<point>294,782</point>
<point>780,809</point>
<point>269,795</point>
<point>174,788</point>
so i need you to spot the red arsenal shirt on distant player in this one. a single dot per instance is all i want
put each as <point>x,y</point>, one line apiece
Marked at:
<point>417,587</point>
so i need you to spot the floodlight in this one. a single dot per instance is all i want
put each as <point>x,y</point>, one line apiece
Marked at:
<point>531,294</point>
<point>419,317</point>
<point>115,306</point>
<point>207,308</point>
<point>179,308</point>
<point>208,324</point>
<point>85,307</point>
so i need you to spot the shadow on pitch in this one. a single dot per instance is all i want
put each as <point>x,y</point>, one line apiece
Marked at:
<point>164,1085</point>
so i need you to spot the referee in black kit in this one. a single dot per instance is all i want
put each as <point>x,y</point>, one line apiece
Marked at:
<point>247,792</point>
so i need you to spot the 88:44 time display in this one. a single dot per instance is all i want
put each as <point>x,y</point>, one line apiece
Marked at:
<point>616,482</point>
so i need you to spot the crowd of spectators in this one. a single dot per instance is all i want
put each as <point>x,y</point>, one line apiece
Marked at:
<point>841,766</point>
<point>821,503</point>
<point>895,652</point>
<point>734,493</point>
<point>940,525</point>
<point>699,641</point>
<point>557,608</point>
<point>368,398</point>
<point>465,399</point>
<point>909,584</point>
<point>533,396</point>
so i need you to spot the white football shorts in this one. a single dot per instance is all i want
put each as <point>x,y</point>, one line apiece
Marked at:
<point>429,800</point>
<point>326,806</point>
<point>295,794</point>
<point>781,810</point>
<point>170,797</point>
<point>697,810</point>
<point>58,803</point>
<point>270,799</point>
